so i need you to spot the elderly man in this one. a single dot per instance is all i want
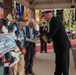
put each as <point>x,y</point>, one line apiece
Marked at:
<point>2,7</point>
<point>18,69</point>
<point>3,29</point>
<point>61,43</point>
<point>30,33</point>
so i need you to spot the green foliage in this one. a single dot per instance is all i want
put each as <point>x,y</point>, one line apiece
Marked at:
<point>73,26</point>
<point>69,18</point>
<point>39,23</point>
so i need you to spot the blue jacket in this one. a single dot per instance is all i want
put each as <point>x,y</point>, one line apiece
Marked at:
<point>27,34</point>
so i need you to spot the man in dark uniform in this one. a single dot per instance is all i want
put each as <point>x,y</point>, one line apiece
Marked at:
<point>43,31</point>
<point>61,43</point>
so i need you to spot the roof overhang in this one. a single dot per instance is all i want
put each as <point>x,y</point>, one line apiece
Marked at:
<point>52,6</point>
<point>25,3</point>
<point>47,4</point>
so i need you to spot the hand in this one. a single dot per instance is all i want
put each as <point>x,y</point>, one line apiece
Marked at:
<point>37,41</point>
<point>49,40</point>
<point>43,28</point>
<point>1,55</point>
<point>24,51</point>
<point>46,29</point>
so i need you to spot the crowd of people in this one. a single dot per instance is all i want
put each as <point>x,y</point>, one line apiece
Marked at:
<point>22,34</point>
<point>16,25</point>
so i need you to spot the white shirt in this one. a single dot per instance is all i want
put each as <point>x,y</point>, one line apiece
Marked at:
<point>31,33</point>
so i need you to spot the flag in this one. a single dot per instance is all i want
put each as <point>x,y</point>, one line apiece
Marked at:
<point>22,9</point>
<point>18,8</point>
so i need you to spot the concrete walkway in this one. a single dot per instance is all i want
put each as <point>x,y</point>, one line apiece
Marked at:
<point>44,64</point>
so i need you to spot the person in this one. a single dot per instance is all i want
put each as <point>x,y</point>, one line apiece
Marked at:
<point>30,33</point>
<point>43,31</point>
<point>13,17</point>
<point>18,68</point>
<point>3,30</point>
<point>61,42</point>
<point>2,7</point>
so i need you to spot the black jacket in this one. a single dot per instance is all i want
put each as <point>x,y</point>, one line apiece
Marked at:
<point>60,39</point>
<point>43,31</point>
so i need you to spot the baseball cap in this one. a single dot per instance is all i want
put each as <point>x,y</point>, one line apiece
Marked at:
<point>21,19</point>
<point>46,11</point>
<point>3,5</point>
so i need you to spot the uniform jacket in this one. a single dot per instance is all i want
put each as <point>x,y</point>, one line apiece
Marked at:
<point>60,39</point>
<point>43,32</point>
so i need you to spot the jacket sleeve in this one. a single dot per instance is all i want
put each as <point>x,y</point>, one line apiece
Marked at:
<point>54,25</point>
<point>17,38</point>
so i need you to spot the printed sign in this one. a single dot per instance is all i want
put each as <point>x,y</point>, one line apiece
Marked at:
<point>7,43</point>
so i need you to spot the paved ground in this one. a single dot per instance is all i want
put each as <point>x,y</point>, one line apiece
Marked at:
<point>44,64</point>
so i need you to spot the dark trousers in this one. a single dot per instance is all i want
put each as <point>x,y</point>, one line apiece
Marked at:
<point>29,57</point>
<point>6,70</point>
<point>43,46</point>
<point>3,69</point>
<point>62,63</point>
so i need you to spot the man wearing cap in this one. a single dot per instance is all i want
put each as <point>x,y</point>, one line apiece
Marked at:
<point>18,69</point>
<point>2,7</point>
<point>61,43</point>
<point>3,29</point>
<point>43,31</point>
